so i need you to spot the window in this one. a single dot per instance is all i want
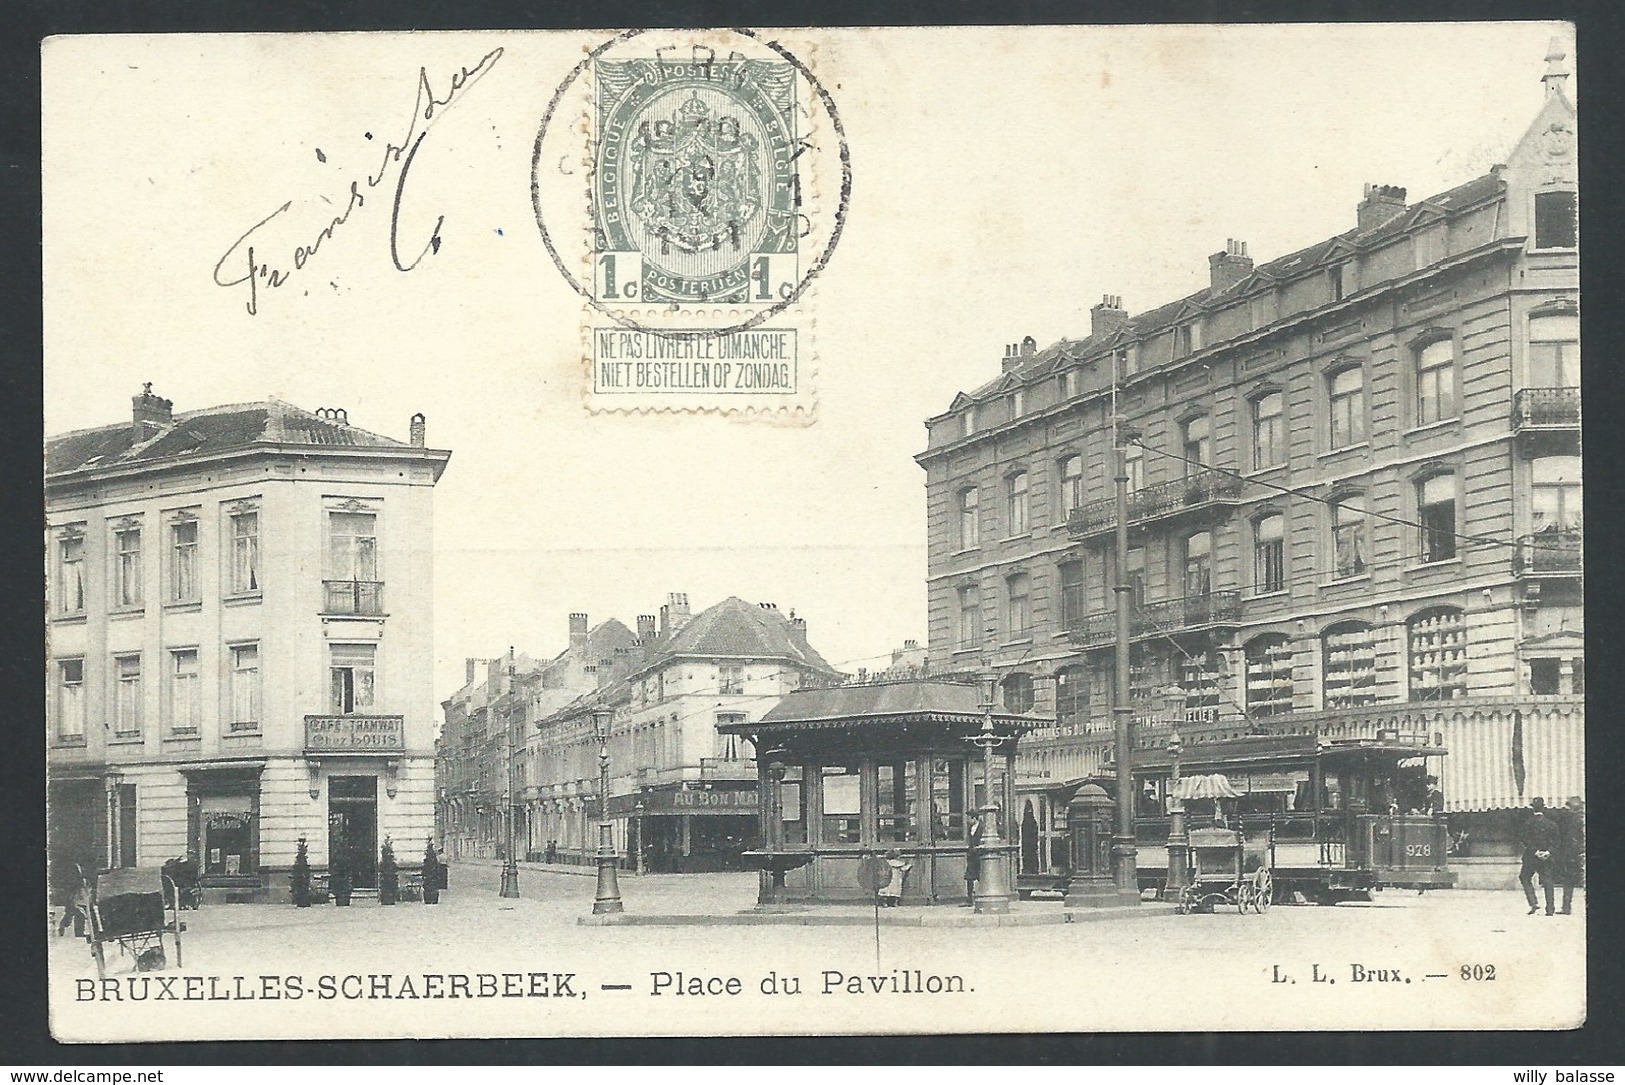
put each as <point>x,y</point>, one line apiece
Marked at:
<point>1198,578</point>
<point>793,806</point>
<point>1199,679</point>
<point>1436,381</point>
<point>1269,675</point>
<point>970,616</point>
<point>1348,537</point>
<point>1557,224</point>
<point>1071,382</point>
<point>1071,693</point>
<point>1072,484</point>
<point>1018,403</point>
<point>730,678</point>
<point>1551,677</point>
<point>1347,407</point>
<point>842,823</point>
<point>1436,509</point>
<point>353,545</point>
<point>70,700</point>
<point>183,561</point>
<point>897,797</point>
<point>1349,665</point>
<point>969,421</point>
<point>245,552</point>
<point>1136,575</point>
<point>1438,654</point>
<point>1334,278</point>
<point>1127,360</point>
<point>1016,503</point>
<point>1269,430</point>
<point>1555,496</point>
<point>1071,595</point>
<point>127,570</point>
<point>1554,352</point>
<point>1019,612</point>
<point>245,687</point>
<point>352,672</point>
<point>127,696</point>
<point>1134,461</point>
<point>1269,553</point>
<point>185,706</point>
<point>1187,339</point>
<point>70,592</point>
<point>969,519</point>
<point>1196,446</point>
<point>729,747</point>
<point>948,799</point>
<point>1018,693</point>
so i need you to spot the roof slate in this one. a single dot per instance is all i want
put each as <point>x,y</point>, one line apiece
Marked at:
<point>736,628</point>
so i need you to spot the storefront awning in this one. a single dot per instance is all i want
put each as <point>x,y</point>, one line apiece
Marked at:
<point>1213,786</point>
<point>1501,760</point>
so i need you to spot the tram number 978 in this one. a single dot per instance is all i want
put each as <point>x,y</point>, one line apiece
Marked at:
<point>1418,850</point>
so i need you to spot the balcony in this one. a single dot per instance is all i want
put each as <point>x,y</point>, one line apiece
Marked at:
<point>1203,491</point>
<point>1554,554</point>
<point>1547,420</point>
<point>1186,614</point>
<point>353,597</point>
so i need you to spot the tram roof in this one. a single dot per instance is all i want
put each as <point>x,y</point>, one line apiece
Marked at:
<point>1250,749</point>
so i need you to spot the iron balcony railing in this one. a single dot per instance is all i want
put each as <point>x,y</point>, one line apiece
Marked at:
<point>354,596</point>
<point>1545,408</point>
<point>1204,486</point>
<point>1165,616</point>
<point>1549,553</point>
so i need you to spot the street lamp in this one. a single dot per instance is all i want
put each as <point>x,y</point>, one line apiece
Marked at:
<point>1178,839</point>
<point>510,866</point>
<point>609,888</point>
<point>992,875</point>
<point>641,844</point>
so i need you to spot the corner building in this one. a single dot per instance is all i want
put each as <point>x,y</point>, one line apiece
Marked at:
<point>240,642</point>
<point>1355,502</point>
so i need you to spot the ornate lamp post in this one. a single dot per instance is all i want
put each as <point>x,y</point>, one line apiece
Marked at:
<point>608,898</point>
<point>641,844</point>
<point>510,865</point>
<point>1178,839</point>
<point>993,876</point>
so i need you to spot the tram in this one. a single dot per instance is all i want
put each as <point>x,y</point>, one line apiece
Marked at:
<point>1342,817</point>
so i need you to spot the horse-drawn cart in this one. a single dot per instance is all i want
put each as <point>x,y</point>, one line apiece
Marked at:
<point>133,908</point>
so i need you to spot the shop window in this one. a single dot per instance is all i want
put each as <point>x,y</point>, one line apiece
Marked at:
<point>1072,597</point>
<point>183,561</point>
<point>1557,224</point>
<point>1018,693</point>
<point>1269,675</point>
<point>842,806</point>
<point>245,551</point>
<point>226,824</point>
<point>70,700</point>
<point>1349,542</point>
<point>1019,611</point>
<point>127,696</point>
<point>1437,640</point>
<point>1016,506</point>
<point>185,705</point>
<point>1199,677</point>
<point>1072,484</point>
<point>70,594</point>
<point>245,687</point>
<point>970,616</point>
<point>947,799</point>
<point>1436,381</point>
<point>353,673</point>
<point>969,519</point>
<point>1346,422</point>
<point>1554,352</point>
<point>1269,430</point>
<point>897,795</point>
<point>1349,665</point>
<point>127,567</point>
<point>1071,693</point>
<point>1436,510</point>
<point>1269,553</point>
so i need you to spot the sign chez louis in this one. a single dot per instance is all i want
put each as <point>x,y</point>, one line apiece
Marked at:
<point>355,734</point>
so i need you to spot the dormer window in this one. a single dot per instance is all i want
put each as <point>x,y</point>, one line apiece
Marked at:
<point>1071,382</point>
<point>1018,403</point>
<point>969,420</point>
<point>1187,339</point>
<point>1334,279</point>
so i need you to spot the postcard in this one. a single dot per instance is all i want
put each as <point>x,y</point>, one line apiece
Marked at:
<point>814,531</point>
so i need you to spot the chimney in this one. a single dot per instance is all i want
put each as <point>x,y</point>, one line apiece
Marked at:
<point>1012,357</point>
<point>798,630</point>
<point>420,430</point>
<point>1381,203</point>
<point>337,415</point>
<point>677,602</point>
<point>665,621</point>
<point>1557,75</point>
<point>150,413</point>
<point>646,628</point>
<point>470,663</point>
<point>910,645</point>
<point>1229,267</point>
<point>578,630</point>
<point>1107,318</point>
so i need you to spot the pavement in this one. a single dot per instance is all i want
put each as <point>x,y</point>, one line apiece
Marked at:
<point>1447,959</point>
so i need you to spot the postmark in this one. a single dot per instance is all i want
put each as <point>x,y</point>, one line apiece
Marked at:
<point>690,187</point>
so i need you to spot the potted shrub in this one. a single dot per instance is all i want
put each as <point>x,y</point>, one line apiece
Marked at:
<point>340,880</point>
<point>431,875</point>
<point>389,875</point>
<point>299,877</point>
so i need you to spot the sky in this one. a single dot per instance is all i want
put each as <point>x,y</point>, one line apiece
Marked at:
<point>1004,179</point>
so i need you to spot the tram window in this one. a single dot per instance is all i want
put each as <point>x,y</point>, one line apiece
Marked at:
<point>793,807</point>
<point>898,797</point>
<point>948,799</point>
<point>1303,798</point>
<point>842,823</point>
<point>1331,791</point>
<point>1151,797</point>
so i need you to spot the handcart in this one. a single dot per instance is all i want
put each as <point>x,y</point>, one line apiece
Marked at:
<point>134,907</point>
<point>1228,870</point>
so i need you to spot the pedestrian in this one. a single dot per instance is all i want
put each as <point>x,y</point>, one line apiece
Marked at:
<point>1568,864</point>
<point>552,850</point>
<point>1539,839</point>
<point>891,894</point>
<point>973,860</point>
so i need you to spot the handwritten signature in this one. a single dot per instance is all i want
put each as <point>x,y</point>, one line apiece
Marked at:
<point>242,254</point>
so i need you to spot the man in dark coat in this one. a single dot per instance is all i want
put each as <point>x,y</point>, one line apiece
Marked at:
<point>1569,861</point>
<point>1539,841</point>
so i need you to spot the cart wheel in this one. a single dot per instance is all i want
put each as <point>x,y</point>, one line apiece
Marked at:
<point>1244,894</point>
<point>1263,890</point>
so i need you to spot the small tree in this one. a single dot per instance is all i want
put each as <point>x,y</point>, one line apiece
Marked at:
<point>389,878</point>
<point>431,874</point>
<point>299,877</point>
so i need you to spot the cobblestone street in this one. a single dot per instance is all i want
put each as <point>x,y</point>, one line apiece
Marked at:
<point>480,965</point>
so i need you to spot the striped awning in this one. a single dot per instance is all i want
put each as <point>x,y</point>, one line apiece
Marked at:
<point>1501,760</point>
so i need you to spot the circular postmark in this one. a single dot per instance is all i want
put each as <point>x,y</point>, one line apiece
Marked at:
<point>708,159</point>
